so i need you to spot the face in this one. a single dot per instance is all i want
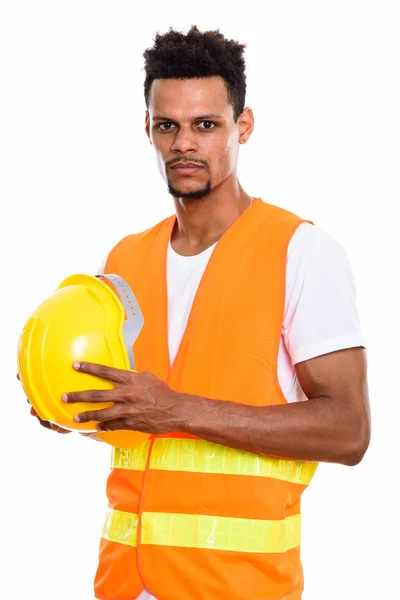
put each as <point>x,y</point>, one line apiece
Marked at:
<point>191,126</point>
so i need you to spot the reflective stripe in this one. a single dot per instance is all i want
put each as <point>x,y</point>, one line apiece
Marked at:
<point>198,456</point>
<point>120,527</point>
<point>203,531</point>
<point>130,458</point>
<point>221,533</point>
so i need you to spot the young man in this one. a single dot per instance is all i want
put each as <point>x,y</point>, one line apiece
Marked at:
<point>251,352</point>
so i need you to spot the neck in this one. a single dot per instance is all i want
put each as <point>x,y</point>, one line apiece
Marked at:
<point>200,222</point>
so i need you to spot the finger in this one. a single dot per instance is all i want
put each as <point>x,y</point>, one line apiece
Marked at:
<point>18,377</point>
<point>45,424</point>
<point>112,425</point>
<point>59,429</point>
<point>117,375</point>
<point>105,414</point>
<point>91,396</point>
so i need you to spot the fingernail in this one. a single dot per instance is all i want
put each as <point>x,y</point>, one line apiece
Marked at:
<point>64,398</point>
<point>77,419</point>
<point>76,365</point>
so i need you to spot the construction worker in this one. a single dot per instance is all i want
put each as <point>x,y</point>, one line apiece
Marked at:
<point>251,362</point>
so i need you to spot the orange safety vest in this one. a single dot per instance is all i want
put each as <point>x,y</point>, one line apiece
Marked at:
<point>189,519</point>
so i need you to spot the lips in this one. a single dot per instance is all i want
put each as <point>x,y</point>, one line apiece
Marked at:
<point>187,168</point>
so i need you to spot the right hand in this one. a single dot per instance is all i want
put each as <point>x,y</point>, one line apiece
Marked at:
<point>53,427</point>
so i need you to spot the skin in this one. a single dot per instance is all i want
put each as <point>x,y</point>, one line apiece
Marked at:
<point>57,428</point>
<point>334,424</point>
<point>213,142</point>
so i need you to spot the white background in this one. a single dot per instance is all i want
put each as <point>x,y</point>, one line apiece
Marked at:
<point>77,174</point>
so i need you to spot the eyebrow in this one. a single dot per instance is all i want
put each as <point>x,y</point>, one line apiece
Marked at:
<point>199,118</point>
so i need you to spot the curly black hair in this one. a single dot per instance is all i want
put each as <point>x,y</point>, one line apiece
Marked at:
<point>175,55</point>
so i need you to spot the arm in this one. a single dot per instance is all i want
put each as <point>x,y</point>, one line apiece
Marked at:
<point>332,426</point>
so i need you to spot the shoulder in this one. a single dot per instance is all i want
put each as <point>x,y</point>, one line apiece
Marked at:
<point>313,244</point>
<point>128,243</point>
<point>317,262</point>
<point>306,233</point>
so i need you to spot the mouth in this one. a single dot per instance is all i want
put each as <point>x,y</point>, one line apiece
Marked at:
<point>187,169</point>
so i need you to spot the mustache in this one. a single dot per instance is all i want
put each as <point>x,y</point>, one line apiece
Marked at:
<point>174,161</point>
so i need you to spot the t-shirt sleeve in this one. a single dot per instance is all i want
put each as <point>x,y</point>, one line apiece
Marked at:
<point>320,305</point>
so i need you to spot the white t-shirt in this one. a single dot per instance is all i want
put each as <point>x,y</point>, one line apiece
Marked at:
<point>320,305</point>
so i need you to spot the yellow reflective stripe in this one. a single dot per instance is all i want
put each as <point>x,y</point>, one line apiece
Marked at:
<point>120,527</point>
<point>130,458</point>
<point>204,531</point>
<point>221,533</point>
<point>199,456</point>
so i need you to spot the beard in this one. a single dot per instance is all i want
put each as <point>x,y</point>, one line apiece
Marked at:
<point>200,193</point>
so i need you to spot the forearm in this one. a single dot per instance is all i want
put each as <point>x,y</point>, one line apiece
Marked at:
<point>315,430</point>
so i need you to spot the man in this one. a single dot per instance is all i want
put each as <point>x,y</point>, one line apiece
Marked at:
<point>251,365</point>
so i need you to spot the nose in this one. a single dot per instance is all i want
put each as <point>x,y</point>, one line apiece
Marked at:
<point>184,141</point>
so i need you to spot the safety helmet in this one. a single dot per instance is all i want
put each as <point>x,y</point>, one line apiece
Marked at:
<point>93,319</point>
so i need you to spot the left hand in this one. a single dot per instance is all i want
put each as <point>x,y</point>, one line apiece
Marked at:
<point>142,401</point>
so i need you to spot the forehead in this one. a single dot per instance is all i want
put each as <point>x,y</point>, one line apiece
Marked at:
<point>185,98</point>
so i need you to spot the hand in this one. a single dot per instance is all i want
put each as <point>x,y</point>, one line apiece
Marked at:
<point>54,427</point>
<point>47,424</point>
<point>142,401</point>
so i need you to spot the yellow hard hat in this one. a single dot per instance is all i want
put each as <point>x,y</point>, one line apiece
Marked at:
<point>85,319</point>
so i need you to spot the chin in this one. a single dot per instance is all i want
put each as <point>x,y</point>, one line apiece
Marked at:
<point>196,193</point>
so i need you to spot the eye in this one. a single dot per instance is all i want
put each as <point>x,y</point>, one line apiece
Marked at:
<point>208,125</point>
<point>165,126</point>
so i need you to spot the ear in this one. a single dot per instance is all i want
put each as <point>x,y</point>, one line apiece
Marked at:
<point>147,126</point>
<point>246,125</point>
